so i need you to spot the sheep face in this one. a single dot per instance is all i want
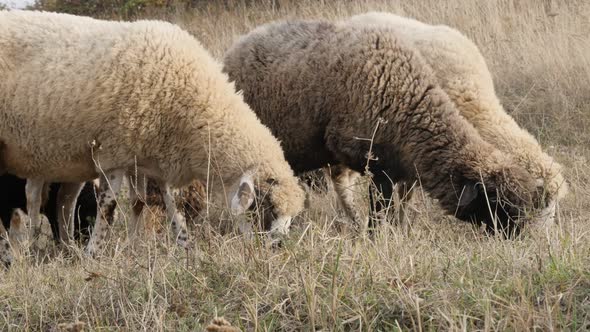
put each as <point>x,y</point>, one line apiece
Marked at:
<point>553,189</point>
<point>501,201</point>
<point>272,202</point>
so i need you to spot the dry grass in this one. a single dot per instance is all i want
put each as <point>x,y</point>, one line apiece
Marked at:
<point>442,275</point>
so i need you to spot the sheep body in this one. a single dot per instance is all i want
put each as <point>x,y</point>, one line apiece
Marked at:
<point>463,74</point>
<point>143,95</point>
<point>333,93</point>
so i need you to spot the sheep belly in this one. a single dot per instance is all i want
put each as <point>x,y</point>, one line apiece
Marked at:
<point>56,168</point>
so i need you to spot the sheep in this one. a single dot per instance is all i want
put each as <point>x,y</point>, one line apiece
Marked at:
<point>83,98</point>
<point>362,98</point>
<point>461,71</point>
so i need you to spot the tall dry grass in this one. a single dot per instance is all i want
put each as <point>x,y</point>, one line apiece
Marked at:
<point>441,275</point>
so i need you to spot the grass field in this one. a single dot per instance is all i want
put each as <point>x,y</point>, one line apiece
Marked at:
<point>440,275</point>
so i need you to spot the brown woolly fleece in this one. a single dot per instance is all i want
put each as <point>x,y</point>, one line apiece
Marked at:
<point>79,95</point>
<point>463,74</point>
<point>323,89</point>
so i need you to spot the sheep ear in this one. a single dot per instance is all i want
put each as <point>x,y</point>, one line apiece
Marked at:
<point>244,196</point>
<point>468,194</point>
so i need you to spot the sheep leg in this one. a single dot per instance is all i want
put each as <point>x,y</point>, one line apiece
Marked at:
<point>34,195</point>
<point>67,196</point>
<point>110,184</point>
<point>19,234</point>
<point>405,192</point>
<point>344,180</point>
<point>137,198</point>
<point>382,186</point>
<point>178,223</point>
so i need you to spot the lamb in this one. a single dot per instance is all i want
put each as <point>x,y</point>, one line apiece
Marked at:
<point>357,98</point>
<point>111,99</point>
<point>461,71</point>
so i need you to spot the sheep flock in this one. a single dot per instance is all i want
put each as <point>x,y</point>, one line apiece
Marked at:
<point>402,102</point>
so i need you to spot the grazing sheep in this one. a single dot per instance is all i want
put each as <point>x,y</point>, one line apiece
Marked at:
<point>107,99</point>
<point>356,97</point>
<point>461,71</point>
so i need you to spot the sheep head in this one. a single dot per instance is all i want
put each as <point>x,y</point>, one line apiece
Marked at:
<point>273,202</point>
<point>501,199</point>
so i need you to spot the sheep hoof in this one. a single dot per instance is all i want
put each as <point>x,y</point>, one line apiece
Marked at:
<point>275,241</point>
<point>19,233</point>
<point>219,324</point>
<point>91,250</point>
<point>91,254</point>
<point>353,227</point>
<point>276,244</point>
<point>185,243</point>
<point>42,236</point>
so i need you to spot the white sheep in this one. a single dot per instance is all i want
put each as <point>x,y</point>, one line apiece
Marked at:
<point>362,98</point>
<point>82,98</point>
<point>462,72</point>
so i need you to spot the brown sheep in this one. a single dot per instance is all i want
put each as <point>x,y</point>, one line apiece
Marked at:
<point>463,74</point>
<point>362,99</point>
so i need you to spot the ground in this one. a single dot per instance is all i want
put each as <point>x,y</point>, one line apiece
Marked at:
<point>439,275</point>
